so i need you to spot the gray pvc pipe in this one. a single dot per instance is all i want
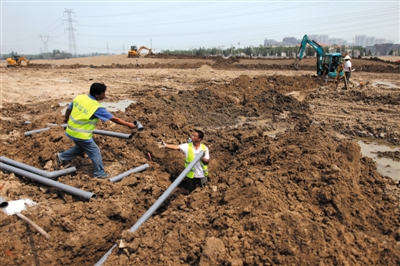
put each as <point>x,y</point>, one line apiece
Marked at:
<point>28,133</point>
<point>157,204</point>
<point>134,170</point>
<point>48,182</point>
<point>3,203</point>
<point>108,133</point>
<point>51,175</point>
<point>112,134</point>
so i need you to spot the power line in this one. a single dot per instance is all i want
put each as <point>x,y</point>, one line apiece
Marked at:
<point>72,42</point>
<point>45,39</point>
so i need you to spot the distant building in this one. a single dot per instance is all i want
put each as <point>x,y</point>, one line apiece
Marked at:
<point>291,40</point>
<point>365,41</point>
<point>360,40</point>
<point>382,49</point>
<point>269,42</point>
<point>370,41</point>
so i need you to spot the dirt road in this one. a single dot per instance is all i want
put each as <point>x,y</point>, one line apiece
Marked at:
<point>288,183</point>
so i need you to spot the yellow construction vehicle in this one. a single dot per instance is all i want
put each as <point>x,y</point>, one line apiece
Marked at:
<point>134,52</point>
<point>16,60</point>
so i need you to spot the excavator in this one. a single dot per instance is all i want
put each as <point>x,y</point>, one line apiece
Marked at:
<point>134,52</point>
<point>16,60</point>
<point>332,60</point>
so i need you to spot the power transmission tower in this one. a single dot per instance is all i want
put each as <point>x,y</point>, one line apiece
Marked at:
<point>72,43</point>
<point>45,39</point>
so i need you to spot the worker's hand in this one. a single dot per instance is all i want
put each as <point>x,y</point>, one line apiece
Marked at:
<point>164,144</point>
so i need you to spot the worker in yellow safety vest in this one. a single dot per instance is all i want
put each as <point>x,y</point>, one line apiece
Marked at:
<point>199,173</point>
<point>82,116</point>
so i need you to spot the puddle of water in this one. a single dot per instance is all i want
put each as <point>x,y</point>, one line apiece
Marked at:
<point>112,107</point>
<point>385,84</point>
<point>385,166</point>
<point>119,106</point>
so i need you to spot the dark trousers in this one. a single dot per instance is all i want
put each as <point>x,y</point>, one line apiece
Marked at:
<point>192,183</point>
<point>348,75</point>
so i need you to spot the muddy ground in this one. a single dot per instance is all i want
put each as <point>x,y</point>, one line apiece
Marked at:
<point>288,183</point>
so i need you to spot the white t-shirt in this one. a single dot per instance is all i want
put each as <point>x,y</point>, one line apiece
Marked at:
<point>198,170</point>
<point>347,66</point>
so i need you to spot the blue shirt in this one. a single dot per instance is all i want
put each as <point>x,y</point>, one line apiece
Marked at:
<point>101,113</point>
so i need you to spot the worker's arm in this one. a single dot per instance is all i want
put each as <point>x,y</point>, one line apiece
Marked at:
<point>206,157</point>
<point>171,146</point>
<point>67,113</point>
<point>122,122</point>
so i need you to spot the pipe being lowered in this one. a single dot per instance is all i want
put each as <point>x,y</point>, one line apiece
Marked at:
<point>48,182</point>
<point>134,170</point>
<point>108,133</point>
<point>51,175</point>
<point>157,204</point>
<point>112,134</point>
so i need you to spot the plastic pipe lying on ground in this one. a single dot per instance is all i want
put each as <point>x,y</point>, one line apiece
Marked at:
<point>51,175</point>
<point>134,170</point>
<point>3,203</point>
<point>157,204</point>
<point>28,133</point>
<point>46,181</point>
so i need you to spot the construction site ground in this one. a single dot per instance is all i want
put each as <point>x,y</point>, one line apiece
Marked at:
<point>288,182</point>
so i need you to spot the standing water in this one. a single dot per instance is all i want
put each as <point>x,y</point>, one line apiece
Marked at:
<point>385,166</point>
<point>112,107</point>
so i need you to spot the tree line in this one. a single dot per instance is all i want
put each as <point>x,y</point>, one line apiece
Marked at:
<point>250,51</point>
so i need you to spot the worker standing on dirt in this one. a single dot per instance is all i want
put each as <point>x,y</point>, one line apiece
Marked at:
<point>347,69</point>
<point>82,116</point>
<point>325,74</point>
<point>199,173</point>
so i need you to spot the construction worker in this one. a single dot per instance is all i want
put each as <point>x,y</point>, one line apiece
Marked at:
<point>325,72</point>
<point>347,70</point>
<point>199,173</point>
<point>82,116</point>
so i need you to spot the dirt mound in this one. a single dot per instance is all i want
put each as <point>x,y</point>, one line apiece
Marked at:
<point>264,211</point>
<point>217,62</point>
<point>176,56</point>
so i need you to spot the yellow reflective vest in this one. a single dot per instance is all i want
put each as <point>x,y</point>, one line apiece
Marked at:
<point>190,157</point>
<point>80,124</point>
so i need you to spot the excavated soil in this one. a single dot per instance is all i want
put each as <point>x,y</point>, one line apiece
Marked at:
<point>288,183</point>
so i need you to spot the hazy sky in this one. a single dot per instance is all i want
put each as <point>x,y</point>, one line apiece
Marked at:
<point>113,26</point>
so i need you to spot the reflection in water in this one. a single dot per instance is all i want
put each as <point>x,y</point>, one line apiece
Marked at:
<point>112,107</point>
<point>385,166</point>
